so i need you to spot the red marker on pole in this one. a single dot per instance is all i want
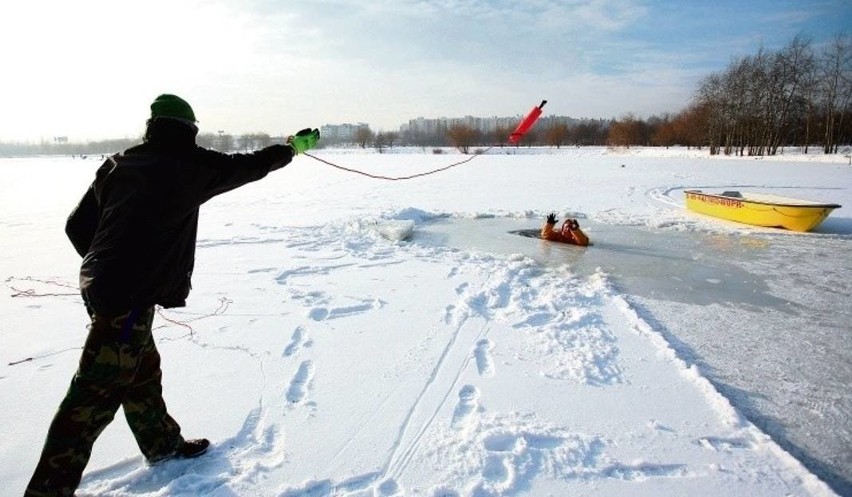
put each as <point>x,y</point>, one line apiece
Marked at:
<point>526,123</point>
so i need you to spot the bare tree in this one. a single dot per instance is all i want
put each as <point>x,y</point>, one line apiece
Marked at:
<point>790,70</point>
<point>590,132</point>
<point>836,88</point>
<point>500,135</point>
<point>246,142</point>
<point>710,96</point>
<point>207,140</point>
<point>810,92</point>
<point>690,125</point>
<point>755,102</point>
<point>462,137</point>
<point>262,140</point>
<point>391,137</point>
<point>363,136</point>
<point>557,134</point>
<point>384,140</point>
<point>226,142</point>
<point>664,132</point>
<point>624,132</point>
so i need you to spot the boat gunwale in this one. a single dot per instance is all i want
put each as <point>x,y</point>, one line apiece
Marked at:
<point>776,204</point>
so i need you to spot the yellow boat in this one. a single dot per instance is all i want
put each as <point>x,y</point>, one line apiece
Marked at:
<point>772,211</point>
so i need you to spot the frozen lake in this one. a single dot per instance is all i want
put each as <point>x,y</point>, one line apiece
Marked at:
<point>297,263</point>
<point>732,304</point>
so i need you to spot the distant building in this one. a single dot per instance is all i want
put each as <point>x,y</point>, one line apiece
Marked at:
<point>341,132</point>
<point>484,124</point>
<point>347,133</point>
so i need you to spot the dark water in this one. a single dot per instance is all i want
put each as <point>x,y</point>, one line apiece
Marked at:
<point>766,317</point>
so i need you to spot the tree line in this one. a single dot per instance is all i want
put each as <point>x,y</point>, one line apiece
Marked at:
<point>796,96</point>
<point>552,131</point>
<point>793,96</point>
<point>222,142</point>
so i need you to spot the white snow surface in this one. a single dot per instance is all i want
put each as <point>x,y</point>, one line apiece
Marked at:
<point>332,347</point>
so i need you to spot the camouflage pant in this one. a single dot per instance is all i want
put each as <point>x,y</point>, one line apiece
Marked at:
<point>120,366</point>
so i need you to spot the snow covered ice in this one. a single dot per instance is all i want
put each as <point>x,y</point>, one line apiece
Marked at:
<point>355,337</point>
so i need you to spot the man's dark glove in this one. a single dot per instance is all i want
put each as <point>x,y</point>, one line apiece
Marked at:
<point>551,218</point>
<point>304,140</point>
<point>573,224</point>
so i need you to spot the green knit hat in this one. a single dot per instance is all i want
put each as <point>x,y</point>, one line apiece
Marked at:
<point>172,106</point>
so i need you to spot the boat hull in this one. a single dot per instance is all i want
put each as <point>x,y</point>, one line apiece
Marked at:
<point>769,211</point>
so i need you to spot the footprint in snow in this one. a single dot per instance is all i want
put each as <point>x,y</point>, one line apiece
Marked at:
<point>323,313</point>
<point>467,408</point>
<point>389,488</point>
<point>720,444</point>
<point>299,383</point>
<point>482,353</point>
<point>448,314</point>
<point>655,425</point>
<point>318,313</point>
<point>499,473</point>
<point>297,341</point>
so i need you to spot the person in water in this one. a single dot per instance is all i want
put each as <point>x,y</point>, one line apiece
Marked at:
<point>569,233</point>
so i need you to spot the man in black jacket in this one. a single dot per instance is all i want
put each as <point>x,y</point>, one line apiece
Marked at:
<point>135,229</point>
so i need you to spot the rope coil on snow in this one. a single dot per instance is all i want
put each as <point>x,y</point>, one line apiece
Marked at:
<point>31,292</point>
<point>224,303</point>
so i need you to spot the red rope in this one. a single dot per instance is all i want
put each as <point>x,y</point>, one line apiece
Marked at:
<point>173,321</point>
<point>397,178</point>
<point>224,302</point>
<point>31,292</point>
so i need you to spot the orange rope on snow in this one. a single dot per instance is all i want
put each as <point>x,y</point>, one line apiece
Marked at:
<point>173,321</point>
<point>31,292</point>
<point>397,178</point>
<point>224,302</point>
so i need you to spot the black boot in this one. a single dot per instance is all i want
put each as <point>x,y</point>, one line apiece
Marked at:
<point>192,448</point>
<point>188,449</point>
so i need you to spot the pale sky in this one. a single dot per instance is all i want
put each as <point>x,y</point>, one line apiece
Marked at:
<point>89,69</point>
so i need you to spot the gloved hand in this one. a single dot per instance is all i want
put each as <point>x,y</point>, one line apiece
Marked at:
<point>304,140</point>
<point>551,218</point>
<point>573,224</point>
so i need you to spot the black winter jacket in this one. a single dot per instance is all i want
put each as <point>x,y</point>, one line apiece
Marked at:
<point>137,223</point>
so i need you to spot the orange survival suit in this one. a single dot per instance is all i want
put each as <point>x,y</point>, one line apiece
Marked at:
<point>570,232</point>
